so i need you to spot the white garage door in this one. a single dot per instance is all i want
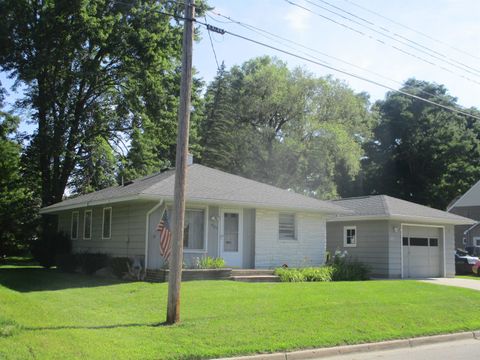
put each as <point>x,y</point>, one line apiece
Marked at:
<point>421,252</point>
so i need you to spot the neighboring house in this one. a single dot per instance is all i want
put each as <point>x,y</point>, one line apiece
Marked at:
<point>467,205</point>
<point>249,224</point>
<point>396,238</point>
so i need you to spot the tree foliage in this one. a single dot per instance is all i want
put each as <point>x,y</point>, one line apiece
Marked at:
<point>284,127</point>
<point>17,202</point>
<point>421,152</point>
<point>92,69</point>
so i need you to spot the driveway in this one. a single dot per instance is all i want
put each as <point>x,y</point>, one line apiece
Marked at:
<point>461,349</point>
<point>465,283</point>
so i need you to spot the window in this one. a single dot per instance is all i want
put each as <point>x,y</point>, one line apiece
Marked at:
<point>286,227</point>
<point>433,242</point>
<point>405,241</point>
<point>477,241</point>
<point>350,236</point>
<point>74,229</point>
<point>414,241</point>
<point>194,229</point>
<point>107,223</point>
<point>87,224</point>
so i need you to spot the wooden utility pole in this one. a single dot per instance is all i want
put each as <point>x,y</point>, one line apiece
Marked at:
<point>176,257</point>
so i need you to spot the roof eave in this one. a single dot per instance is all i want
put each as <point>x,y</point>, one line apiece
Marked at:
<point>255,205</point>
<point>425,219</point>
<point>54,209</point>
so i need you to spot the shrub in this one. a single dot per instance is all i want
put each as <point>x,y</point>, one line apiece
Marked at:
<point>324,273</point>
<point>208,262</point>
<point>348,270</point>
<point>340,270</point>
<point>91,262</point>
<point>67,262</point>
<point>289,275</point>
<point>46,248</point>
<point>119,266</point>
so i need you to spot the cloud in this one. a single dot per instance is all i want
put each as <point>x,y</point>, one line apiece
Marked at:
<point>298,19</point>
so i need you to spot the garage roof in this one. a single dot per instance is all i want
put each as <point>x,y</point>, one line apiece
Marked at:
<point>387,207</point>
<point>204,185</point>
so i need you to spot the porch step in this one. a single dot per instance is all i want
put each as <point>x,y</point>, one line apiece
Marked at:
<point>256,278</point>
<point>251,272</point>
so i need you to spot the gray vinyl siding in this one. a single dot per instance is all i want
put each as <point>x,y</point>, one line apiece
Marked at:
<point>249,238</point>
<point>472,212</point>
<point>372,244</point>
<point>127,230</point>
<point>394,250</point>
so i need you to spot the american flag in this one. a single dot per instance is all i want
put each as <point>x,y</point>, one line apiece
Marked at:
<point>165,237</point>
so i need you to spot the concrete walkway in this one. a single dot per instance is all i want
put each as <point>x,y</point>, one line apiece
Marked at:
<point>461,349</point>
<point>465,283</point>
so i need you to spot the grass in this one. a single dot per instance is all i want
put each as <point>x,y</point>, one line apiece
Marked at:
<point>45,314</point>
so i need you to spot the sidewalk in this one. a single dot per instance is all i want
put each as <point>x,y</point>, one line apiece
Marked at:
<point>339,352</point>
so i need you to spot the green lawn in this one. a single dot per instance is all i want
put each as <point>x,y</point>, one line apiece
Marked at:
<point>48,315</point>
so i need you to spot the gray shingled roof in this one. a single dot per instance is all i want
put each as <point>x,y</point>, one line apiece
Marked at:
<point>384,206</point>
<point>206,185</point>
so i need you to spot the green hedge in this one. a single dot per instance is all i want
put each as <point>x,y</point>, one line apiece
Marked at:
<point>340,270</point>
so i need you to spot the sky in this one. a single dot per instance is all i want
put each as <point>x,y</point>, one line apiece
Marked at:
<point>454,23</point>
<point>449,54</point>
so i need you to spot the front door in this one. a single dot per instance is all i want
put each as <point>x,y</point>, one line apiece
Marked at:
<point>231,237</point>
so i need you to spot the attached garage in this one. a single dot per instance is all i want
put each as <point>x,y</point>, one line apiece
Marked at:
<point>395,238</point>
<point>422,251</point>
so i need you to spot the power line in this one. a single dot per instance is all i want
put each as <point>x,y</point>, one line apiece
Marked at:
<point>346,73</point>
<point>262,32</point>
<point>393,33</point>
<point>382,42</point>
<point>412,29</point>
<point>211,43</point>
<point>222,31</point>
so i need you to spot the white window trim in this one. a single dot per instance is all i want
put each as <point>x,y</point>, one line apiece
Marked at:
<point>169,208</point>
<point>295,227</point>
<point>84,221</point>
<point>476,241</point>
<point>103,223</point>
<point>205,226</point>
<point>71,225</point>
<point>345,228</point>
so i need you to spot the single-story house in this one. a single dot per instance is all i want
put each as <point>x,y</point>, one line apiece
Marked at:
<point>467,205</point>
<point>396,238</point>
<point>248,223</point>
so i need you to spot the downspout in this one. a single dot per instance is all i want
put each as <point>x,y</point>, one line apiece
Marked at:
<point>147,227</point>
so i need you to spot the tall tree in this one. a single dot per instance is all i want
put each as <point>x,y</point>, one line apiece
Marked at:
<point>91,68</point>
<point>284,127</point>
<point>421,152</point>
<point>17,203</point>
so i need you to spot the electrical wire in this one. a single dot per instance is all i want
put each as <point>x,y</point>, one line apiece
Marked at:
<point>384,29</point>
<point>412,29</point>
<point>211,43</point>
<point>345,72</point>
<point>223,31</point>
<point>262,32</point>
<point>383,43</point>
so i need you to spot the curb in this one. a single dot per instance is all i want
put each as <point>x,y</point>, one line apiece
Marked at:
<point>368,347</point>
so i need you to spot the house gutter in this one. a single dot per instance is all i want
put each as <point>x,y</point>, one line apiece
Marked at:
<point>433,220</point>
<point>53,209</point>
